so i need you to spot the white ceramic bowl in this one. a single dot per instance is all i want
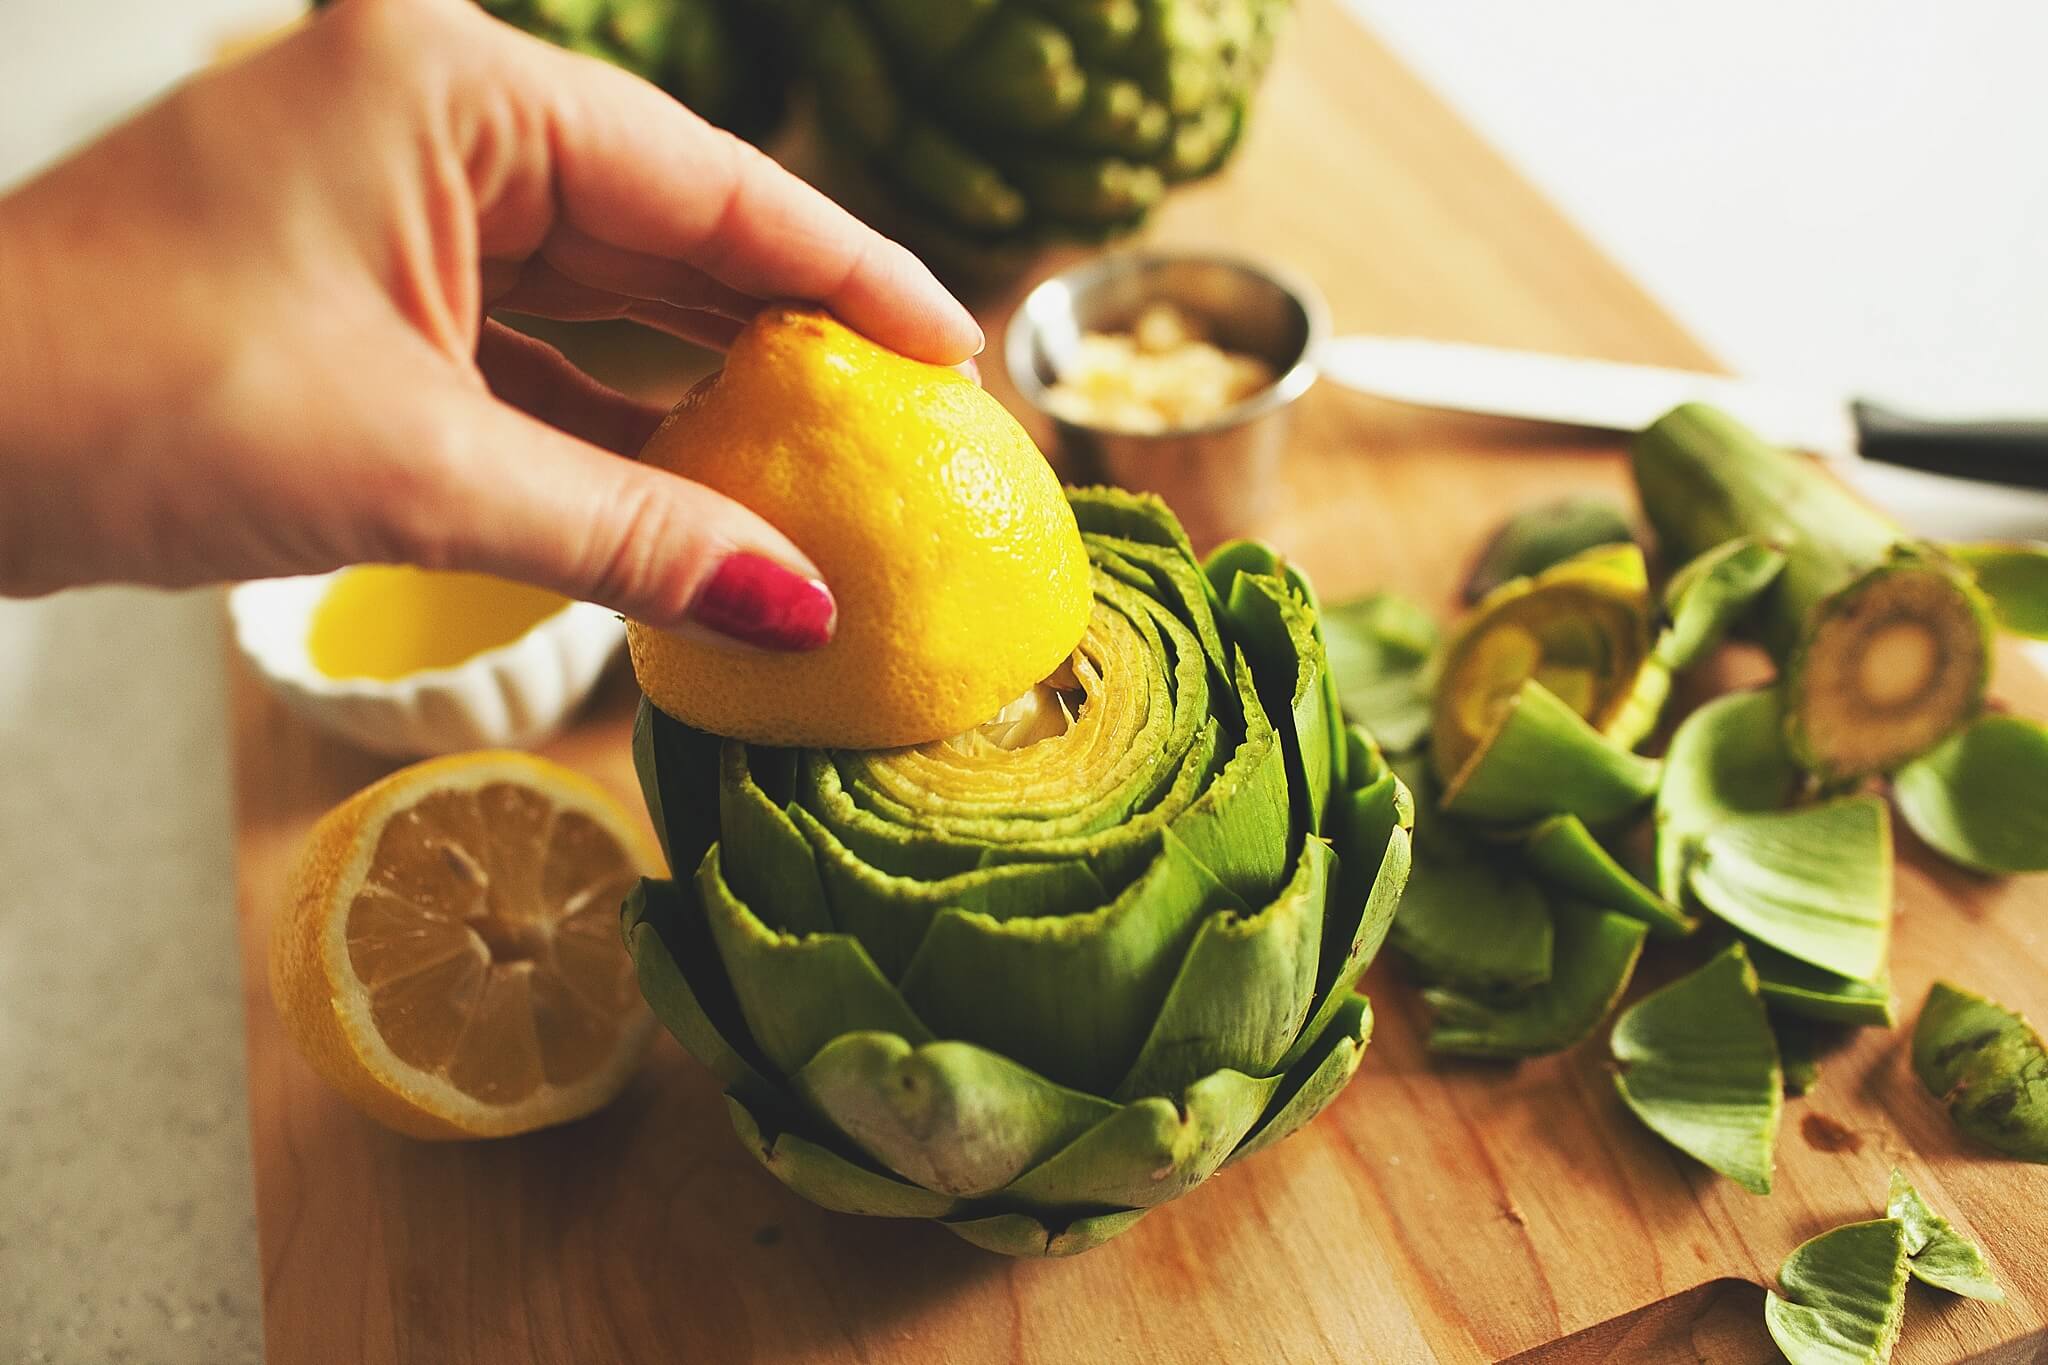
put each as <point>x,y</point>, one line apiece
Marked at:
<point>512,696</point>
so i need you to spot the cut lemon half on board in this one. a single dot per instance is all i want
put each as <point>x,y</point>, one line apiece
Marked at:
<point>450,958</point>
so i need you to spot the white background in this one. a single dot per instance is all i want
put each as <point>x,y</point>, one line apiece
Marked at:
<point>1849,193</point>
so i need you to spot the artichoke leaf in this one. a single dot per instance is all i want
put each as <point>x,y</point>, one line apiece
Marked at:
<point>1105,194</point>
<point>926,163</point>
<point>1200,143</point>
<point>1565,855</point>
<point>1700,1068</point>
<point>1027,1235</point>
<point>892,915</point>
<point>1366,763</point>
<point>1142,517</point>
<point>1019,72</point>
<point>1988,1066</point>
<point>1471,918</point>
<point>2014,575</point>
<point>1379,650</point>
<point>1709,595</point>
<point>828,1179</point>
<point>1256,559</point>
<point>1101,28</point>
<point>1320,1075</point>
<point>1815,882</point>
<point>1542,759</point>
<point>1244,990</point>
<point>1726,758</point>
<point>1241,826</point>
<point>1936,1253</point>
<point>1176,584</point>
<point>929,32</point>
<point>1844,1296</point>
<point>1795,987</point>
<point>678,771</point>
<point>1340,732</point>
<point>853,75</point>
<point>1594,955</point>
<point>1117,856</point>
<point>676,961</point>
<point>1473,921</point>
<point>1103,802</point>
<point>1580,628</point>
<point>777,876</point>
<point>1243,556</point>
<point>1073,997</point>
<point>1278,632</point>
<point>1980,797</point>
<point>949,1116</point>
<point>1117,117</point>
<point>1118,755</point>
<point>798,994</point>
<point>1540,537</point>
<point>1372,839</point>
<point>1152,1149</point>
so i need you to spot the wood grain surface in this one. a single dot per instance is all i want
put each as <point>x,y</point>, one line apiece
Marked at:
<point>1451,1211</point>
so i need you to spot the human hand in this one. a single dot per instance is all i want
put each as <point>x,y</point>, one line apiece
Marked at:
<point>243,335</point>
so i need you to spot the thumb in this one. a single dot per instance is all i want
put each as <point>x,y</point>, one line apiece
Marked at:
<point>527,501</point>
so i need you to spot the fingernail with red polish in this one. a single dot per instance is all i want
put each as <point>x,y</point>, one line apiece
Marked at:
<point>759,602</point>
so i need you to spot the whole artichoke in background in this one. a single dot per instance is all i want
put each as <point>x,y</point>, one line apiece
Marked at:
<point>1033,992</point>
<point>1018,120</point>
<point>719,57</point>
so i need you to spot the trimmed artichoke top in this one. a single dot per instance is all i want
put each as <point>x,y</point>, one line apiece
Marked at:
<point>1035,991</point>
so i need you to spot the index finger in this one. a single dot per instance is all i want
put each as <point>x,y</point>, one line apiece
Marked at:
<point>635,169</point>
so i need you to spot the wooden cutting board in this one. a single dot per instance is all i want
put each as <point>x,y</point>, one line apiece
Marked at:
<point>1460,1212</point>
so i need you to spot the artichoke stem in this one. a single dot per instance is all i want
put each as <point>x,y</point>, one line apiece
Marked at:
<point>1883,643</point>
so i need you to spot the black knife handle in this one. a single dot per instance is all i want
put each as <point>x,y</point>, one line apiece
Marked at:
<point>2012,452</point>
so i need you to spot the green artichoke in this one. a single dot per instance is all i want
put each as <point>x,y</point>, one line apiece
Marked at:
<point>720,57</point>
<point>1033,992</point>
<point>1017,120</point>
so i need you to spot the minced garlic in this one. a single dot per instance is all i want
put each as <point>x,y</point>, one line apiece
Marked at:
<point>1162,376</point>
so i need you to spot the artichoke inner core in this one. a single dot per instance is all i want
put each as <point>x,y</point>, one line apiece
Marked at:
<point>1047,711</point>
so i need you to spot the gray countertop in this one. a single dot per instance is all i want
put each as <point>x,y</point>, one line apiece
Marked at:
<point>127,1216</point>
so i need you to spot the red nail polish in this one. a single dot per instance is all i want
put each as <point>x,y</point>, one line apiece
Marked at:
<point>759,602</point>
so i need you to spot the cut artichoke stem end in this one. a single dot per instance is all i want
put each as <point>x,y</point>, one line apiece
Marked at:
<point>1894,670</point>
<point>1046,711</point>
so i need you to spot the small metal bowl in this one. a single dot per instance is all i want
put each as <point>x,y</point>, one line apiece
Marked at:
<point>1222,476</point>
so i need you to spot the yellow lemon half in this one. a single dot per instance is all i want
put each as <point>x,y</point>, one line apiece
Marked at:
<point>449,958</point>
<point>958,570</point>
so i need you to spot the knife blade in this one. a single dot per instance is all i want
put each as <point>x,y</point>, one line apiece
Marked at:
<point>1623,397</point>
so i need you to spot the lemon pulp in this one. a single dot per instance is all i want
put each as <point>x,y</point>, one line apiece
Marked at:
<point>386,621</point>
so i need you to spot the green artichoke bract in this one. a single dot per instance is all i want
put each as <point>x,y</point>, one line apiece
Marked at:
<point>1845,1296</point>
<point>1004,122</point>
<point>1988,1066</point>
<point>720,57</point>
<point>1540,537</point>
<point>1034,992</point>
<point>1936,1253</point>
